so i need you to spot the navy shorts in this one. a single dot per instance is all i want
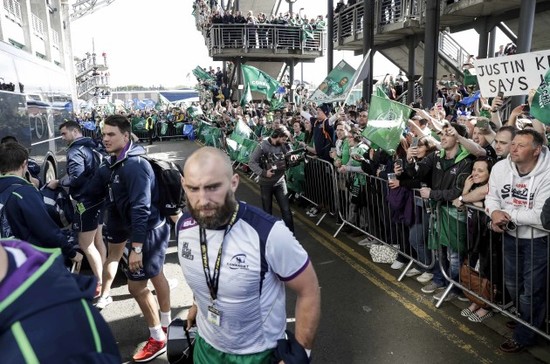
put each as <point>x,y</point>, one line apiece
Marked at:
<point>87,218</point>
<point>115,234</point>
<point>154,252</point>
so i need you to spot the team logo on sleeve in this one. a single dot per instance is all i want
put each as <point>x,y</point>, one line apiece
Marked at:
<point>238,262</point>
<point>187,223</point>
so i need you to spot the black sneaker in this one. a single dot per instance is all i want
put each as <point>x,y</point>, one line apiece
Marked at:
<point>511,346</point>
<point>511,324</point>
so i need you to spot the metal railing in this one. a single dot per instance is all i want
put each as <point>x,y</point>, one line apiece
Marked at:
<point>263,36</point>
<point>349,23</point>
<point>89,64</point>
<point>99,81</point>
<point>451,51</point>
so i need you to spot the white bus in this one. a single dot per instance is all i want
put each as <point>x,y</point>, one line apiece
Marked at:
<point>35,97</point>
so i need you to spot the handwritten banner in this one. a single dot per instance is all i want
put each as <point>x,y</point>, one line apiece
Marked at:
<point>513,75</point>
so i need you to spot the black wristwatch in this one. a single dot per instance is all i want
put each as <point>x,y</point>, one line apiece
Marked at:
<point>137,249</point>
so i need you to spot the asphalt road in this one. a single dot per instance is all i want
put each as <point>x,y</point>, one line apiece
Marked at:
<point>367,315</point>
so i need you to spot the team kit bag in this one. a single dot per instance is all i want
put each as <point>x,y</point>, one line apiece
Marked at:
<point>180,341</point>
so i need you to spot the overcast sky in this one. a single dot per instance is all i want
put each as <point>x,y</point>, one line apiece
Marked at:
<point>156,43</point>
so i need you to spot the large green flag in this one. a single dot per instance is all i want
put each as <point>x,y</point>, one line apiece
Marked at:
<point>380,91</point>
<point>241,132</point>
<point>246,150</point>
<point>540,106</point>
<point>259,81</point>
<point>335,86</point>
<point>470,77</point>
<point>276,104</point>
<point>202,75</point>
<point>247,96</point>
<point>387,120</point>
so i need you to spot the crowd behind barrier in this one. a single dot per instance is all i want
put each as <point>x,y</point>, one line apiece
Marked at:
<point>427,208</point>
<point>166,124</point>
<point>431,237</point>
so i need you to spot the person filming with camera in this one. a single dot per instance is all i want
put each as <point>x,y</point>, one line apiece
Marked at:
<point>268,161</point>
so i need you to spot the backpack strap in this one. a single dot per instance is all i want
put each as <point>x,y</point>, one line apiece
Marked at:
<point>5,229</point>
<point>8,192</point>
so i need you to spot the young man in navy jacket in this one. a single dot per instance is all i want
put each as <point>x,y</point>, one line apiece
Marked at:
<point>23,205</point>
<point>81,165</point>
<point>134,218</point>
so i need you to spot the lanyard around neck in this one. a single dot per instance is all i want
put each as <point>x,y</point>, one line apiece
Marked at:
<point>212,281</point>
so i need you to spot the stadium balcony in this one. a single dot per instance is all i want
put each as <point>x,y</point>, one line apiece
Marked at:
<point>264,42</point>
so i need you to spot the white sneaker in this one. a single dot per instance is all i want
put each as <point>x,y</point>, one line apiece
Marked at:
<point>367,243</point>
<point>425,277</point>
<point>103,302</point>
<point>397,265</point>
<point>412,272</point>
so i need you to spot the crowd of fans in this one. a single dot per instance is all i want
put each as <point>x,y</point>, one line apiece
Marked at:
<point>209,15</point>
<point>448,154</point>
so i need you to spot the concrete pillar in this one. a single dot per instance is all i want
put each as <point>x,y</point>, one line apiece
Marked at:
<point>525,35</point>
<point>431,41</point>
<point>290,65</point>
<point>483,31</point>
<point>330,44</point>
<point>368,43</point>
<point>412,43</point>
<point>492,43</point>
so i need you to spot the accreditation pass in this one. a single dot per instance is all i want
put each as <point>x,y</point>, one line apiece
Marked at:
<point>214,315</point>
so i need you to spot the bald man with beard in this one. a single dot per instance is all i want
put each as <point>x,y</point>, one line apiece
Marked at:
<point>237,260</point>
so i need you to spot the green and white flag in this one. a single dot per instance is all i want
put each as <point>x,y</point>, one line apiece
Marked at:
<point>540,107</point>
<point>380,91</point>
<point>387,120</point>
<point>194,111</point>
<point>276,104</point>
<point>335,86</point>
<point>247,95</point>
<point>259,81</point>
<point>241,131</point>
<point>202,75</point>
<point>110,108</point>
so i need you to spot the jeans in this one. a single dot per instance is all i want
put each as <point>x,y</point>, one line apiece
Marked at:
<point>450,264</point>
<point>525,265</point>
<point>418,234</point>
<point>280,192</point>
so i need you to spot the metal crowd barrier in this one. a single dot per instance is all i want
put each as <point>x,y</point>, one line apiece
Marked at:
<point>320,187</point>
<point>504,260</point>
<point>364,206</point>
<point>365,203</point>
<point>368,209</point>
